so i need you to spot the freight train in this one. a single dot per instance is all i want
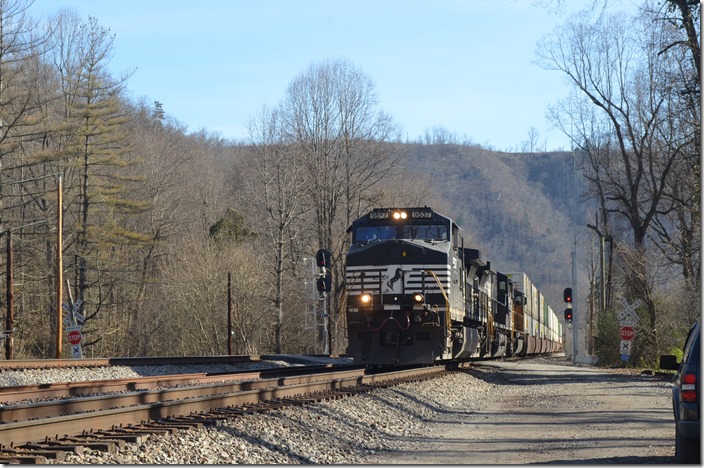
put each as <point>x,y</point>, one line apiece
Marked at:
<point>415,294</point>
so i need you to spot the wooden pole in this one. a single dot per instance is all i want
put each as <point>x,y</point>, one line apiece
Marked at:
<point>59,267</point>
<point>229,313</point>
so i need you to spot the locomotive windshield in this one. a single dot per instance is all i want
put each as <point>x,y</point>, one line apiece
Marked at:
<point>370,233</point>
<point>436,232</point>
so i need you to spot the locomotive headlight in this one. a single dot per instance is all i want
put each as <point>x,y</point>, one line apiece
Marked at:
<point>400,215</point>
<point>365,299</point>
<point>418,298</point>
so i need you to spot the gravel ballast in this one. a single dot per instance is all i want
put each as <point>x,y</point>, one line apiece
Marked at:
<point>388,425</point>
<point>337,431</point>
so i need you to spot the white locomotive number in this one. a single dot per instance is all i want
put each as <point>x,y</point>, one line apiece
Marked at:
<point>378,215</point>
<point>421,214</point>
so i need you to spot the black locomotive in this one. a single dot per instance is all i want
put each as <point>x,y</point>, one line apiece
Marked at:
<point>416,295</point>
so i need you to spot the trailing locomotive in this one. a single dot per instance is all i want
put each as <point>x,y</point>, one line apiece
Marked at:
<point>415,295</point>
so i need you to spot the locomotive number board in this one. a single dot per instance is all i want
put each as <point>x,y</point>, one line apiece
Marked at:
<point>422,214</point>
<point>417,214</point>
<point>379,214</point>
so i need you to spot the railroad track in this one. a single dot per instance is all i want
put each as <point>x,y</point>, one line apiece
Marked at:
<point>39,392</point>
<point>32,432</point>
<point>149,361</point>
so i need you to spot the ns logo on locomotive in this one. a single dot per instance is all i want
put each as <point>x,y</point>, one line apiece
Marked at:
<point>417,295</point>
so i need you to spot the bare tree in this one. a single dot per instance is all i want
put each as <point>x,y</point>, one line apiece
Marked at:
<point>331,113</point>
<point>680,46</point>
<point>439,135</point>
<point>622,118</point>
<point>683,14</point>
<point>194,310</point>
<point>164,154</point>
<point>20,39</point>
<point>25,186</point>
<point>278,186</point>
<point>531,144</point>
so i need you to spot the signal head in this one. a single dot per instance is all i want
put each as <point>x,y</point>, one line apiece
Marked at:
<point>324,283</point>
<point>568,315</point>
<point>567,295</point>
<point>322,258</point>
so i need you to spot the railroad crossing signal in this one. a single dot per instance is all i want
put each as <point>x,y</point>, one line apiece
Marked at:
<point>628,318</point>
<point>629,311</point>
<point>73,316</point>
<point>74,324</point>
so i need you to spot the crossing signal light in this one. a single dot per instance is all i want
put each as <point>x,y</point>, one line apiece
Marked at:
<point>567,295</point>
<point>568,315</point>
<point>322,258</point>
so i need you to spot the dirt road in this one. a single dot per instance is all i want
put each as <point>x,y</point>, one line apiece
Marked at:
<point>545,413</point>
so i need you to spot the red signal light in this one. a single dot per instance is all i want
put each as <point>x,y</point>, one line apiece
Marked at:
<point>567,295</point>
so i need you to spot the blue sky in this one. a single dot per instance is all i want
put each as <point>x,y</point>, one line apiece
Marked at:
<point>465,65</point>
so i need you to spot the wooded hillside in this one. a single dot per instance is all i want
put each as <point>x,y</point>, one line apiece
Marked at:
<point>155,219</point>
<point>515,207</point>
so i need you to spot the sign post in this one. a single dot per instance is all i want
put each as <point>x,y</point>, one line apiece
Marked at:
<point>628,320</point>
<point>74,324</point>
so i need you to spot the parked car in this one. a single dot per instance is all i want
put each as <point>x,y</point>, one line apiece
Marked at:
<point>685,398</point>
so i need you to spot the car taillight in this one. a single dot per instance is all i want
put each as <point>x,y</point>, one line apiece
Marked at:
<point>688,387</point>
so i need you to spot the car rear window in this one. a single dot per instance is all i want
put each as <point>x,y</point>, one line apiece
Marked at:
<point>691,349</point>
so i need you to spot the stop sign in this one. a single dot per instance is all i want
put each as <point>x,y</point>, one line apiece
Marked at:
<point>627,333</point>
<point>74,337</point>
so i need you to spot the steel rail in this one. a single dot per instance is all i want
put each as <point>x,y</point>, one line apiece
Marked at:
<point>36,392</point>
<point>102,413</point>
<point>55,408</point>
<point>127,361</point>
<point>157,361</point>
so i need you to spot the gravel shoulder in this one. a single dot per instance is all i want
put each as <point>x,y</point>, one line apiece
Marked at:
<point>533,411</point>
<point>542,413</point>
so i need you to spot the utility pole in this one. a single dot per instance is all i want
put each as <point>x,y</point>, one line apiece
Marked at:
<point>10,300</point>
<point>574,261</point>
<point>229,313</point>
<point>59,266</point>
